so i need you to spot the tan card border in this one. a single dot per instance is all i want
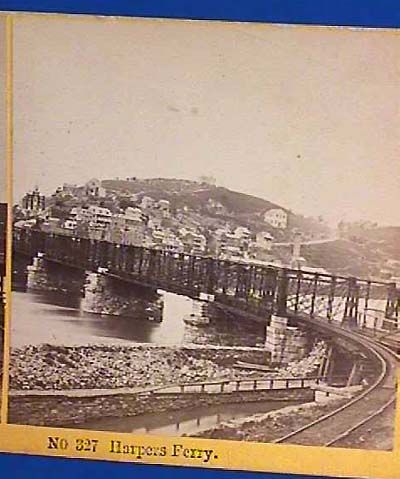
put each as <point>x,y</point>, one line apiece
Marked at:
<point>9,159</point>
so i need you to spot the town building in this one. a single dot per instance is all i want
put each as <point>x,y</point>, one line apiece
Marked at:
<point>227,245</point>
<point>264,240</point>
<point>242,232</point>
<point>172,243</point>
<point>215,207</point>
<point>164,207</point>
<point>277,218</point>
<point>95,216</point>
<point>33,201</point>
<point>134,235</point>
<point>134,216</point>
<point>51,224</point>
<point>194,243</point>
<point>70,225</point>
<point>80,213</point>
<point>94,189</point>
<point>100,217</point>
<point>127,228</point>
<point>67,190</point>
<point>97,232</point>
<point>154,223</point>
<point>158,235</point>
<point>147,202</point>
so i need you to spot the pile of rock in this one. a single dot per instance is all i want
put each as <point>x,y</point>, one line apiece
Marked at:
<point>308,365</point>
<point>108,366</point>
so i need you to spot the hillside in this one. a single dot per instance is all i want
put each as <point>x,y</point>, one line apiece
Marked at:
<point>344,257</point>
<point>192,194</point>
<point>359,249</point>
<point>386,239</point>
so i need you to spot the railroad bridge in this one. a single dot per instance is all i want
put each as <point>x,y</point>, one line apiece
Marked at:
<point>255,289</point>
<point>335,303</point>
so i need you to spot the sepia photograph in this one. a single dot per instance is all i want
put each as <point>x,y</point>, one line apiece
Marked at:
<point>206,231</point>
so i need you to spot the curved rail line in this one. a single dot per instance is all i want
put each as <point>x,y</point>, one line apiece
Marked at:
<point>308,434</point>
<point>371,416</point>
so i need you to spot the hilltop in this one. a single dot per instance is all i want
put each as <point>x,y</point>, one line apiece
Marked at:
<point>216,202</point>
<point>185,192</point>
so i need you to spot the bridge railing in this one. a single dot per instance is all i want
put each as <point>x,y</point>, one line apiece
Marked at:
<point>250,286</point>
<point>244,385</point>
<point>341,299</point>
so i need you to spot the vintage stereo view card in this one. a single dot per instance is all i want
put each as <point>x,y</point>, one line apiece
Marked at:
<point>200,243</point>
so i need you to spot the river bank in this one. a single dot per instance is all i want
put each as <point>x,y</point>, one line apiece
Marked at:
<point>65,386</point>
<point>48,367</point>
<point>271,425</point>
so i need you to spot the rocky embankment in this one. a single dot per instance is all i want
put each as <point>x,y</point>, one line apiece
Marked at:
<point>47,367</point>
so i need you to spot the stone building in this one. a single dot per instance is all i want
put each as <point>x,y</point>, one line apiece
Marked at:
<point>33,201</point>
<point>94,189</point>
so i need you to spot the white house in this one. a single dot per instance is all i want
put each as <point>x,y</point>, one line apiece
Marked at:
<point>134,215</point>
<point>163,205</point>
<point>242,232</point>
<point>79,213</point>
<point>277,218</point>
<point>69,224</point>
<point>100,216</point>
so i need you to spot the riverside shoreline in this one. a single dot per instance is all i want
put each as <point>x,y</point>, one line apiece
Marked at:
<point>61,368</point>
<point>66,386</point>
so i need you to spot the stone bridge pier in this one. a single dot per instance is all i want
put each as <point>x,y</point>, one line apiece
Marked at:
<point>48,276</point>
<point>108,295</point>
<point>285,343</point>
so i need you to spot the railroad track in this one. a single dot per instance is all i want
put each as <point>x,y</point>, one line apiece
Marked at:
<point>339,425</point>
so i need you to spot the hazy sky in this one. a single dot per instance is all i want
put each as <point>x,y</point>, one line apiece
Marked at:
<point>305,117</point>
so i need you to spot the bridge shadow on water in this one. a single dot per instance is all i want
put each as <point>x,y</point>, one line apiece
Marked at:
<point>56,318</point>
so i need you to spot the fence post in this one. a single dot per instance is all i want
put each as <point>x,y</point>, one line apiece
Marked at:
<point>314,295</point>
<point>331,299</point>
<point>351,306</point>
<point>298,289</point>
<point>282,293</point>
<point>392,303</point>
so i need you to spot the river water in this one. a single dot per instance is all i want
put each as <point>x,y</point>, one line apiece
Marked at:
<point>58,319</point>
<point>187,421</point>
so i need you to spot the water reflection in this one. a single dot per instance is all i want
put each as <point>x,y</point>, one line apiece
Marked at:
<point>187,421</point>
<point>57,318</point>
